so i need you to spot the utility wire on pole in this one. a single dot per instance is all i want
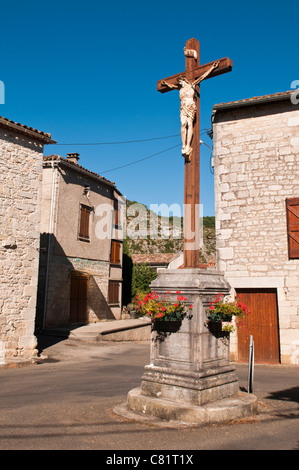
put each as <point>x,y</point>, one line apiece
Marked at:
<point>126,141</point>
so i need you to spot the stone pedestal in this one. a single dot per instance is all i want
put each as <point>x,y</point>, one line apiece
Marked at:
<point>190,378</point>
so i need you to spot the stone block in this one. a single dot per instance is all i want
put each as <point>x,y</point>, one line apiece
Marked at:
<point>28,342</point>
<point>226,253</point>
<point>293,121</point>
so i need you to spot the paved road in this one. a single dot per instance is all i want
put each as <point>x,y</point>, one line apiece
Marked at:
<point>66,403</point>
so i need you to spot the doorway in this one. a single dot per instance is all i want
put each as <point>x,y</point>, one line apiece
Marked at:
<point>78,298</point>
<point>261,323</point>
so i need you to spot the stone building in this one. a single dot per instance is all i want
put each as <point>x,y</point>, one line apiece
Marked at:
<point>256,166</point>
<point>21,155</point>
<point>80,273</point>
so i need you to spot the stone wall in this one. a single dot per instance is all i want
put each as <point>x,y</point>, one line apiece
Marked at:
<point>256,168</point>
<point>21,174</point>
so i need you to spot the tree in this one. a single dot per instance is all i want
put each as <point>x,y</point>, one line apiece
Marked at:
<point>142,276</point>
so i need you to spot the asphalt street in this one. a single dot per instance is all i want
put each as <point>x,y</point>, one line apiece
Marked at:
<point>67,402</point>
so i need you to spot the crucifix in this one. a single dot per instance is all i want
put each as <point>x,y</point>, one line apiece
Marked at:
<point>187,83</point>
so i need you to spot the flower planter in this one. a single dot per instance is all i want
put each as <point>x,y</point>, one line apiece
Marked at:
<point>163,310</point>
<point>221,312</point>
<point>215,327</point>
<point>170,326</point>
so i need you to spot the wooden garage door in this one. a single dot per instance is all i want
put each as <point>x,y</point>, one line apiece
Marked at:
<point>261,323</point>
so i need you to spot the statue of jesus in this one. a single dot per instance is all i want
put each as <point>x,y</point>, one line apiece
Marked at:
<point>188,108</point>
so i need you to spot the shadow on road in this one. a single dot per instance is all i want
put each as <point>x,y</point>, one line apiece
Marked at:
<point>290,394</point>
<point>45,341</point>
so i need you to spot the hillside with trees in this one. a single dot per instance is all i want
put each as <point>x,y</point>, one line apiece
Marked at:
<point>138,277</point>
<point>169,235</point>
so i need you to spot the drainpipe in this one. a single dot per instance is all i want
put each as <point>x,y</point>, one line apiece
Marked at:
<point>51,228</point>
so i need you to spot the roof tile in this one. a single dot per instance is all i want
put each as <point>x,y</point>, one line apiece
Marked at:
<point>9,123</point>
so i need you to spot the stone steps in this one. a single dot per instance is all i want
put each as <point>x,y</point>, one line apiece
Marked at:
<point>114,330</point>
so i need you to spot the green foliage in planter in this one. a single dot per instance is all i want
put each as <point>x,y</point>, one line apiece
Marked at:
<point>222,309</point>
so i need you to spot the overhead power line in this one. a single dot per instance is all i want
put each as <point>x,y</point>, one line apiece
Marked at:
<point>204,131</point>
<point>122,142</point>
<point>140,160</point>
<point>148,157</point>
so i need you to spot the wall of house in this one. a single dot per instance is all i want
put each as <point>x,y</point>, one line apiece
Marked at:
<point>20,194</point>
<point>69,254</point>
<point>256,168</point>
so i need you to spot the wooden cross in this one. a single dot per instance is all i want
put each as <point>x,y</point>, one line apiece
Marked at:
<point>193,72</point>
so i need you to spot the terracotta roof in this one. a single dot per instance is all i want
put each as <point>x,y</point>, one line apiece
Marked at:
<point>44,136</point>
<point>162,259</point>
<point>255,100</point>
<point>77,167</point>
<point>154,258</point>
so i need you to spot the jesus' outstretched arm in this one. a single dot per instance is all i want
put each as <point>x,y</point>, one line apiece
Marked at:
<point>203,76</point>
<point>175,87</point>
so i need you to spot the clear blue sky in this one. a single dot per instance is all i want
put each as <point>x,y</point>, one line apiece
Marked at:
<point>87,72</point>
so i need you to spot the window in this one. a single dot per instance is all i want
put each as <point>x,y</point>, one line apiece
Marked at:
<point>292,207</point>
<point>113,292</point>
<point>84,223</point>
<point>116,213</point>
<point>115,252</point>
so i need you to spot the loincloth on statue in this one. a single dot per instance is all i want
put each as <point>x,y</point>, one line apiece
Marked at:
<point>188,111</point>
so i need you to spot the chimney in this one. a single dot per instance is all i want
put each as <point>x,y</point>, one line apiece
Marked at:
<point>73,157</point>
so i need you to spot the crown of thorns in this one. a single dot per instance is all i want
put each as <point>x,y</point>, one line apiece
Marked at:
<point>181,77</point>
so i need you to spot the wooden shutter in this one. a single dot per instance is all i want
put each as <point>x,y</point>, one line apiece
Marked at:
<point>292,208</point>
<point>113,292</point>
<point>112,254</point>
<point>115,252</point>
<point>116,213</point>
<point>84,222</point>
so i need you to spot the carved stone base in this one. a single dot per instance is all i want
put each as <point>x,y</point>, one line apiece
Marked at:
<point>196,388</point>
<point>190,377</point>
<point>166,411</point>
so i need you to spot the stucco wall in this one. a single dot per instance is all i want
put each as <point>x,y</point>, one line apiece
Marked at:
<point>67,252</point>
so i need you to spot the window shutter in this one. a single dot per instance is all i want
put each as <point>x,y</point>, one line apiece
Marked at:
<point>116,213</point>
<point>110,292</point>
<point>112,254</point>
<point>115,252</point>
<point>292,207</point>
<point>84,222</point>
<point>113,292</point>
